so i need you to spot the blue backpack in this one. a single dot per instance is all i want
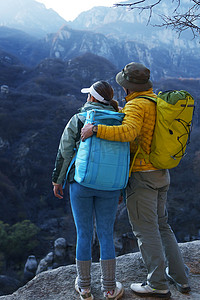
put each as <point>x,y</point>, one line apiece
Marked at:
<point>102,164</point>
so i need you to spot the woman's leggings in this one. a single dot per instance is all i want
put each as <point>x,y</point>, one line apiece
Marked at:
<point>87,203</point>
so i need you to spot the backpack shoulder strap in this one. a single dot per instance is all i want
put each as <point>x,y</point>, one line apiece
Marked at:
<point>69,168</point>
<point>80,125</point>
<point>148,97</point>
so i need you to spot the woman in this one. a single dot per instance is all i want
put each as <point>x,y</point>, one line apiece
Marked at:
<point>86,202</point>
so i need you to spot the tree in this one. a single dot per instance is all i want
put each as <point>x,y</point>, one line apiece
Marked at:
<point>183,17</point>
<point>18,240</point>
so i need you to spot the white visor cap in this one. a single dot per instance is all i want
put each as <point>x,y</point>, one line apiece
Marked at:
<point>94,93</point>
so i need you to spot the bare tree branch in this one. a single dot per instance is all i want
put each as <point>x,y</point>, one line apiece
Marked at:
<point>179,22</point>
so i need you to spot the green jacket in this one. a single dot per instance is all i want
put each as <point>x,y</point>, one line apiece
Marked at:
<point>70,141</point>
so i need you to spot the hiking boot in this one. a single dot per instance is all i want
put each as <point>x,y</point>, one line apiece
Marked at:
<point>183,288</point>
<point>143,289</point>
<point>115,294</point>
<point>85,294</point>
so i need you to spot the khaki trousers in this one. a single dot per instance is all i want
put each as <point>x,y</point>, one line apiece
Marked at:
<point>146,203</point>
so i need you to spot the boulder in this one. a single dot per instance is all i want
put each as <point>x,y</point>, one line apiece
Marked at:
<point>60,252</point>
<point>58,257</point>
<point>30,268</point>
<point>45,263</point>
<point>8,285</point>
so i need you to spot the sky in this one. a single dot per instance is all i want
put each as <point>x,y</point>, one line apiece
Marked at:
<point>70,9</point>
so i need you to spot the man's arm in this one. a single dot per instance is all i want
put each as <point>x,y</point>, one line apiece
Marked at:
<point>127,132</point>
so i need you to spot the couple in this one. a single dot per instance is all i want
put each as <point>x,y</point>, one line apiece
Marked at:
<point>146,193</point>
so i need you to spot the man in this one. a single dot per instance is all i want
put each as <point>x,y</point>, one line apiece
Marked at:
<point>146,193</point>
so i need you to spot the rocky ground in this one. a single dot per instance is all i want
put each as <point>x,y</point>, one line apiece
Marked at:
<point>59,283</point>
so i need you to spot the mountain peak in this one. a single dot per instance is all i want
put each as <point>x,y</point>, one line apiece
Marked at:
<point>30,16</point>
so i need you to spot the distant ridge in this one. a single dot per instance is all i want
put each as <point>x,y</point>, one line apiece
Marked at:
<point>126,24</point>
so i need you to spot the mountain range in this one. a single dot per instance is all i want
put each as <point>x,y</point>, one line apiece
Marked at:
<point>68,43</point>
<point>116,34</point>
<point>125,24</point>
<point>163,62</point>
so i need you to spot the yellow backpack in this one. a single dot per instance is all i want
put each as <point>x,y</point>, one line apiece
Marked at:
<point>172,129</point>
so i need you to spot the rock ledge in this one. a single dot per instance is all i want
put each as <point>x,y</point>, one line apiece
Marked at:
<point>59,283</point>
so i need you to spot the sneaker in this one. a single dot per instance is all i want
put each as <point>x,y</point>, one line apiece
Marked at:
<point>143,289</point>
<point>183,288</point>
<point>115,294</point>
<point>85,294</point>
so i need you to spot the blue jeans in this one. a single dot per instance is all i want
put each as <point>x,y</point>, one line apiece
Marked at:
<point>86,203</point>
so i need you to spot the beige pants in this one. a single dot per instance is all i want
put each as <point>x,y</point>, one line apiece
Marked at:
<point>146,204</point>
